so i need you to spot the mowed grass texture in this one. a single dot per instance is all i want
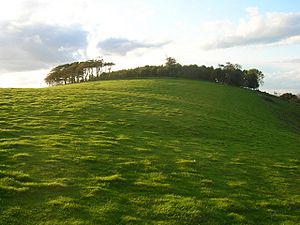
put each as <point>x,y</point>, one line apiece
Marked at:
<point>159,151</point>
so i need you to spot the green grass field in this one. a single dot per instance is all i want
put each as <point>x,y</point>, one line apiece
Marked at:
<point>157,151</point>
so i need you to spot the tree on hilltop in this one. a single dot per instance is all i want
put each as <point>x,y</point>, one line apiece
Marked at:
<point>98,69</point>
<point>253,78</point>
<point>77,72</point>
<point>170,62</point>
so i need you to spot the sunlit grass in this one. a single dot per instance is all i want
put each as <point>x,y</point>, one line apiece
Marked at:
<point>158,151</point>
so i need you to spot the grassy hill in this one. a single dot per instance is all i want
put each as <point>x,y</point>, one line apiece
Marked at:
<point>159,151</point>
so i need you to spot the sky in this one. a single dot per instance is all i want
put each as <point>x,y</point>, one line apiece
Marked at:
<point>37,35</point>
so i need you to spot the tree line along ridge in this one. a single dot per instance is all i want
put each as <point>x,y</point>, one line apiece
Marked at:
<point>98,69</point>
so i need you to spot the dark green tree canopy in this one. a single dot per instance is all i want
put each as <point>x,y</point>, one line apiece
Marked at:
<point>253,78</point>
<point>97,69</point>
<point>77,72</point>
<point>170,61</point>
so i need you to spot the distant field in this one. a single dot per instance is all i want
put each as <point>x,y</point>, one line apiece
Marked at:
<point>159,151</point>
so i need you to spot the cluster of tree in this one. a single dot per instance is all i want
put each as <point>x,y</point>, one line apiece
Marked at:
<point>77,72</point>
<point>229,73</point>
<point>290,97</point>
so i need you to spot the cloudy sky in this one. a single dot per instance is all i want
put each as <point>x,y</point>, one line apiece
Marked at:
<point>38,35</point>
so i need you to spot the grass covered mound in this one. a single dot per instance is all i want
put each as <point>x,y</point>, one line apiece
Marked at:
<point>159,151</point>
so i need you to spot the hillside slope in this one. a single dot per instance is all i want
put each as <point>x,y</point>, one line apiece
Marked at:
<point>158,151</point>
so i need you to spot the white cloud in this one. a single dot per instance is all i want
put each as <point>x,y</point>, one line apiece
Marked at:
<point>28,79</point>
<point>37,34</point>
<point>121,46</point>
<point>39,46</point>
<point>292,61</point>
<point>284,76</point>
<point>289,82</point>
<point>272,28</point>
